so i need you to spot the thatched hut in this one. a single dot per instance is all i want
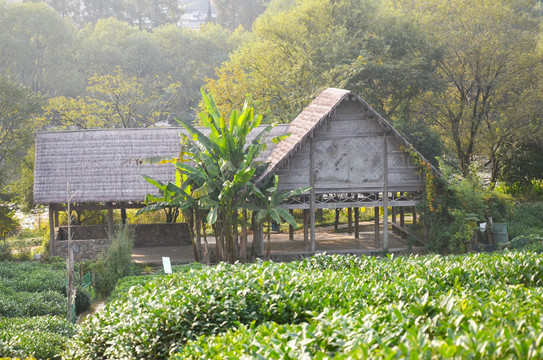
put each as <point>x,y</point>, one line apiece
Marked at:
<point>102,172</point>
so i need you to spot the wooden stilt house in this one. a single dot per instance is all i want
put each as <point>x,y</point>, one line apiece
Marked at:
<point>351,157</point>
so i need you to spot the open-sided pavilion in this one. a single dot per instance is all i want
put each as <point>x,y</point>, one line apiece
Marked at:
<point>348,154</point>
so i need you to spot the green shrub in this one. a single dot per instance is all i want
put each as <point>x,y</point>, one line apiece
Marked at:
<point>526,219</point>
<point>525,243</point>
<point>83,300</point>
<point>455,325</point>
<point>115,262</point>
<point>125,284</point>
<point>5,251</point>
<point>391,300</point>
<point>24,303</point>
<point>34,288</point>
<point>453,206</point>
<point>9,224</point>
<point>38,337</point>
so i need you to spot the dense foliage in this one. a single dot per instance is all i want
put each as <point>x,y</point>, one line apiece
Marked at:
<point>125,284</point>
<point>114,262</point>
<point>33,289</point>
<point>453,206</point>
<point>526,219</point>
<point>474,305</point>
<point>41,337</point>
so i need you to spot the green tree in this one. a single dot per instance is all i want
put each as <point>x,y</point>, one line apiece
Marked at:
<point>282,65</point>
<point>17,107</point>
<point>485,46</point>
<point>150,14</point>
<point>70,9</point>
<point>391,64</point>
<point>35,47</point>
<point>100,9</point>
<point>126,100</point>
<point>115,100</point>
<point>522,161</point>
<point>296,53</point>
<point>110,43</point>
<point>190,57</point>
<point>23,187</point>
<point>80,112</point>
<point>234,13</point>
<point>224,163</point>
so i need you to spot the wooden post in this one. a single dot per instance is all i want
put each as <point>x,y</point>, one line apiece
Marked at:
<point>51,231</point>
<point>258,237</point>
<point>306,229</point>
<point>336,221</point>
<point>198,241</point>
<point>260,244</point>
<point>385,193</point>
<point>319,214</point>
<point>55,212</point>
<point>290,227</point>
<point>356,218</point>
<point>123,215</point>
<point>376,218</point>
<point>489,230</point>
<point>414,215</point>
<point>349,220</point>
<point>243,240</point>
<point>402,221</point>
<point>394,211</point>
<point>70,285</point>
<point>312,191</point>
<point>110,218</point>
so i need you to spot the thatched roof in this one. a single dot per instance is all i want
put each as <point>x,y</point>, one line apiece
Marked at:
<point>97,163</point>
<point>303,126</point>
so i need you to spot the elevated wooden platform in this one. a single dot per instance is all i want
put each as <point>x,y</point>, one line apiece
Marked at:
<point>283,249</point>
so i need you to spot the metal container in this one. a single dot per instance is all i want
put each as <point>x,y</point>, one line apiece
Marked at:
<point>499,231</point>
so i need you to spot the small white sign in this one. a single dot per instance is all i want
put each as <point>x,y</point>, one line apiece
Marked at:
<point>167,265</point>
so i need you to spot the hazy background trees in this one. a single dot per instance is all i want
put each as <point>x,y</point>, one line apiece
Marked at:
<point>460,79</point>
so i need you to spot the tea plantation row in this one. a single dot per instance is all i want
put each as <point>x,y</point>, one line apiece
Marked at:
<point>33,289</point>
<point>472,306</point>
<point>33,307</point>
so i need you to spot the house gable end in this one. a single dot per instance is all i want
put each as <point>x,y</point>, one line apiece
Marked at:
<point>349,155</point>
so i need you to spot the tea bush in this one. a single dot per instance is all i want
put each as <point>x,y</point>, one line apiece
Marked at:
<point>38,337</point>
<point>34,288</point>
<point>328,306</point>
<point>124,284</point>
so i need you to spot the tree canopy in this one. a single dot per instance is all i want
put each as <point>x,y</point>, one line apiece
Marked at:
<point>460,79</point>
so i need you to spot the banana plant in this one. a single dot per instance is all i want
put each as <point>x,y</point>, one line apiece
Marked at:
<point>217,172</point>
<point>223,165</point>
<point>267,204</point>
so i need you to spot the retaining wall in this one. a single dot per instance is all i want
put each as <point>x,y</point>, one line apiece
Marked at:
<point>88,241</point>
